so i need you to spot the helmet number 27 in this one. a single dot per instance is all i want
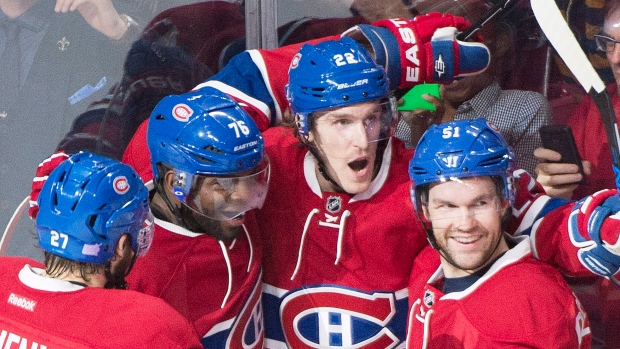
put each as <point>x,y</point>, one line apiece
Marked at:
<point>450,132</point>
<point>239,126</point>
<point>57,236</point>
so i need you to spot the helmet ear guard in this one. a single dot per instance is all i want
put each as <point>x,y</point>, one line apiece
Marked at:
<point>179,185</point>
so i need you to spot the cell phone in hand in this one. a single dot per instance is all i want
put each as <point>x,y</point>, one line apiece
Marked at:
<point>413,98</point>
<point>559,138</point>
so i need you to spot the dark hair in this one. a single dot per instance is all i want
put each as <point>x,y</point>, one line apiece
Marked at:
<point>56,266</point>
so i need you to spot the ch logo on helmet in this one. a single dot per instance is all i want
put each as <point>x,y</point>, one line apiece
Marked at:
<point>121,185</point>
<point>295,61</point>
<point>334,203</point>
<point>182,112</point>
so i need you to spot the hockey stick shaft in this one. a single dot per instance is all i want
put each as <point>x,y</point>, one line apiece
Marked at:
<point>498,7</point>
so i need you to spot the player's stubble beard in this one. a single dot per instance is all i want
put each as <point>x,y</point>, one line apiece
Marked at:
<point>177,212</point>
<point>487,257</point>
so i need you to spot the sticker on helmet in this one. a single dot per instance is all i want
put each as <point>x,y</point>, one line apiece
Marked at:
<point>182,112</point>
<point>121,185</point>
<point>295,61</point>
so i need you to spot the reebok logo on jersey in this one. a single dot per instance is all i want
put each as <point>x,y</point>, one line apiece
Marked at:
<point>21,302</point>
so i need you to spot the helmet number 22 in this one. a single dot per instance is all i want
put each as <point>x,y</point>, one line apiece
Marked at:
<point>239,126</point>
<point>347,58</point>
<point>56,236</point>
<point>450,132</point>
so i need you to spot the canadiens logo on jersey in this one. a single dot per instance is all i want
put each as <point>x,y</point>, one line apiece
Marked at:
<point>334,204</point>
<point>326,316</point>
<point>247,331</point>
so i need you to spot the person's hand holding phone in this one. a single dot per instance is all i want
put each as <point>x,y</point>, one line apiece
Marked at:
<point>420,108</point>
<point>559,179</point>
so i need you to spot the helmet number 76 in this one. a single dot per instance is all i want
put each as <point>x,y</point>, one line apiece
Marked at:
<point>239,126</point>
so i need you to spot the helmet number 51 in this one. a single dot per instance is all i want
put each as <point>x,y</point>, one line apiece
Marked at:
<point>450,132</point>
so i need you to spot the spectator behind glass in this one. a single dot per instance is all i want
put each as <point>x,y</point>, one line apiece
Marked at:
<point>179,48</point>
<point>52,66</point>
<point>517,113</point>
<point>561,180</point>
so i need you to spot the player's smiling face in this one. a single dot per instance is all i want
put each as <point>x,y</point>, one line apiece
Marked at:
<point>466,217</point>
<point>346,138</point>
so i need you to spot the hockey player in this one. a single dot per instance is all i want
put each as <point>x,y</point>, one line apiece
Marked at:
<point>94,220</point>
<point>475,286</point>
<point>338,252</point>
<point>210,173</point>
<point>331,252</point>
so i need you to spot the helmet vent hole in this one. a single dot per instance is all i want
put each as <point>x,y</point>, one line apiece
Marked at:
<point>85,184</point>
<point>212,149</point>
<point>92,220</point>
<point>159,117</point>
<point>61,178</point>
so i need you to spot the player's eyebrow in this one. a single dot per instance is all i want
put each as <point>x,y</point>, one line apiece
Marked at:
<point>482,197</point>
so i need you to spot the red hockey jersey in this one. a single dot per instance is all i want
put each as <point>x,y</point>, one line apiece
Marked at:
<point>45,313</point>
<point>215,285</point>
<point>336,266</point>
<point>519,302</point>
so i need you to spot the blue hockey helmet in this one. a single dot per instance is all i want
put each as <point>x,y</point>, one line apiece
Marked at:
<point>87,203</point>
<point>461,149</point>
<point>202,134</point>
<point>333,74</point>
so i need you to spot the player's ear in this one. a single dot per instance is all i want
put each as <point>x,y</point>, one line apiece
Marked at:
<point>170,178</point>
<point>123,247</point>
<point>425,212</point>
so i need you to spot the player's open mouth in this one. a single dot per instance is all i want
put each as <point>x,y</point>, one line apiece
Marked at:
<point>358,165</point>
